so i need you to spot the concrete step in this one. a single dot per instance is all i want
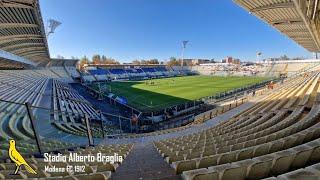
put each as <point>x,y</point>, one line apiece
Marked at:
<point>144,162</point>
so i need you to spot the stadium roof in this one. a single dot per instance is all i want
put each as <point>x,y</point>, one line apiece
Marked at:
<point>22,31</point>
<point>62,62</point>
<point>297,19</point>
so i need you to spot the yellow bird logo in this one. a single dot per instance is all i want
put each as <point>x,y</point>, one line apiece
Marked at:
<point>16,157</point>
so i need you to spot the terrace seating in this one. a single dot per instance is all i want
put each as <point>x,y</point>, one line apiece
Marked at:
<point>151,72</point>
<point>100,74</point>
<point>101,170</point>
<point>20,88</point>
<point>278,137</point>
<point>29,86</point>
<point>70,109</point>
<point>125,73</point>
<point>200,118</point>
<point>132,72</point>
<point>88,78</point>
<point>68,100</point>
<point>118,74</point>
<point>60,71</point>
<point>117,71</point>
<point>310,172</point>
<point>139,70</point>
<point>29,147</point>
<point>279,132</point>
<point>155,133</point>
<point>47,73</point>
<point>72,71</point>
<point>163,71</point>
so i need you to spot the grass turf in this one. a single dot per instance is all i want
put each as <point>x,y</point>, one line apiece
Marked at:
<point>157,94</point>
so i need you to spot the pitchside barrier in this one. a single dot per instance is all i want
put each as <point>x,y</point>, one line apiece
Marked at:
<point>217,111</point>
<point>125,124</point>
<point>226,107</point>
<point>233,104</point>
<point>101,96</point>
<point>150,112</point>
<point>224,95</point>
<point>227,96</point>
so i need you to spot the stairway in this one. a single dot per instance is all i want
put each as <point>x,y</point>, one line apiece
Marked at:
<point>55,73</point>
<point>144,162</point>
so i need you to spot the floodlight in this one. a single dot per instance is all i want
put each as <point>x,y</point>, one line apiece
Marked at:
<point>184,45</point>
<point>52,26</point>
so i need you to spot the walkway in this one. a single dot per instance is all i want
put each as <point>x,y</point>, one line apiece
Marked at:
<point>144,162</point>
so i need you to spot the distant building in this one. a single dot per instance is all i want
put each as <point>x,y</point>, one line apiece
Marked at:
<point>192,62</point>
<point>236,61</point>
<point>229,59</point>
<point>271,59</point>
<point>200,61</point>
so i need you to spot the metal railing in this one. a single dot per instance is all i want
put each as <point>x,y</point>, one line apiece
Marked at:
<point>36,132</point>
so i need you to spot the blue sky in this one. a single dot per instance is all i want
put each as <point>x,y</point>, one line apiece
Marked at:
<point>144,29</point>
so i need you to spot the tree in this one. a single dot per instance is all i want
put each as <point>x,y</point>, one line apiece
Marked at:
<point>284,57</point>
<point>173,59</point>
<point>60,57</point>
<point>103,59</point>
<point>173,62</point>
<point>298,58</point>
<point>143,62</point>
<point>136,61</point>
<point>96,59</point>
<point>153,61</point>
<point>111,61</point>
<point>84,60</point>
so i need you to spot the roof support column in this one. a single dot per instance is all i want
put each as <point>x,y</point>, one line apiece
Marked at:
<point>301,8</point>
<point>13,57</point>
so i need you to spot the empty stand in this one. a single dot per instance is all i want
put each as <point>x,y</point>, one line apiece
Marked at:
<point>281,130</point>
<point>101,170</point>
<point>101,74</point>
<point>278,137</point>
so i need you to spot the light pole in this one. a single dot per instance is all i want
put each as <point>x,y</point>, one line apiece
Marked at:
<point>52,25</point>
<point>184,45</point>
<point>259,56</point>
<point>258,59</point>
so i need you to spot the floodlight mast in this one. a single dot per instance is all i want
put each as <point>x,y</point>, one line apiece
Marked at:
<point>184,45</point>
<point>258,57</point>
<point>52,26</point>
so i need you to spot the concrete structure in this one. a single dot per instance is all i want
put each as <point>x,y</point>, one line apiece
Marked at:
<point>297,19</point>
<point>229,59</point>
<point>22,33</point>
<point>192,62</point>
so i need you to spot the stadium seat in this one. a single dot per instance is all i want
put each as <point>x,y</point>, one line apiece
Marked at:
<point>246,138</point>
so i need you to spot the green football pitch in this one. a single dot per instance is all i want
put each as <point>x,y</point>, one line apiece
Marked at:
<point>157,94</point>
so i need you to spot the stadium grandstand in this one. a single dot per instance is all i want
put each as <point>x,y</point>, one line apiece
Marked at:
<point>131,72</point>
<point>213,121</point>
